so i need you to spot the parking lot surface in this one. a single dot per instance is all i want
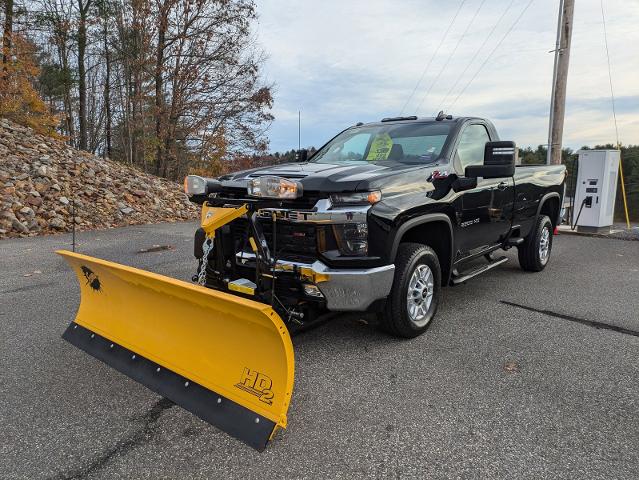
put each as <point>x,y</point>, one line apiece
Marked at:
<point>520,376</point>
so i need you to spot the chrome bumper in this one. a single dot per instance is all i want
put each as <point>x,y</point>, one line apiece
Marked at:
<point>343,289</point>
<point>353,290</point>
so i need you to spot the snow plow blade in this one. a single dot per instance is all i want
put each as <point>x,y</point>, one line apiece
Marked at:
<point>224,358</point>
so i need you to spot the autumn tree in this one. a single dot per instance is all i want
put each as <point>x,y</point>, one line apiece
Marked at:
<point>208,92</point>
<point>19,99</point>
<point>165,85</point>
<point>7,32</point>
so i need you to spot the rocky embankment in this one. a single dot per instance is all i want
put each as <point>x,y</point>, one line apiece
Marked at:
<point>41,179</point>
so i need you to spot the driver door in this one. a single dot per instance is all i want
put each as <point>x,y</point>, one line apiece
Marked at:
<point>484,220</point>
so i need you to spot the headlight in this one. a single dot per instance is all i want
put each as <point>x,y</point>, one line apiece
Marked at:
<point>352,238</point>
<point>274,187</point>
<point>356,198</point>
<point>194,185</point>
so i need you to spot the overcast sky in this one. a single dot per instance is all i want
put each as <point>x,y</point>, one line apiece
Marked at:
<point>344,61</point>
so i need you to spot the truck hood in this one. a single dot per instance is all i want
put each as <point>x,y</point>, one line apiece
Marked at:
<point>330,178</point>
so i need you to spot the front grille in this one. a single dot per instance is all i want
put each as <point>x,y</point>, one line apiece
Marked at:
<point>296,242</point>
<point>307,202</point>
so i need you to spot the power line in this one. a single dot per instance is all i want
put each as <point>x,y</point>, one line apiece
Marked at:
<point>474,56</point>
<point>491,53</point>
<point>449,57</point>
<point>433,56</point>
<point>614,115</point>
<point>612,93</point>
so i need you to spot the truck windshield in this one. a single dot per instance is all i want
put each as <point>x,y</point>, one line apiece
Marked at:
<point>419,143</point>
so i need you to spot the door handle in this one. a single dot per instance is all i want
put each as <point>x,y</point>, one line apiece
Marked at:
<point>502,186</point>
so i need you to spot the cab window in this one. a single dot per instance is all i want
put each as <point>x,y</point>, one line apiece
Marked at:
<point>416,143</point>
<point>353,149</point>
<point>471,146</point>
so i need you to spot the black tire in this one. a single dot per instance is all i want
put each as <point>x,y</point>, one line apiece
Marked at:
<point>395,318</point>
<point>530,257</point>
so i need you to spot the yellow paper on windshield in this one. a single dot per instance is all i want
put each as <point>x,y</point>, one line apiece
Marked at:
<point>380,148</point>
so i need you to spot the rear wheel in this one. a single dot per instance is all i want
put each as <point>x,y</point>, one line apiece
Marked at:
<point>534,254</point>
<point>415,295</point>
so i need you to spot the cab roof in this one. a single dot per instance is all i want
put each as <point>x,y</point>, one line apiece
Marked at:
<point>415,119</point>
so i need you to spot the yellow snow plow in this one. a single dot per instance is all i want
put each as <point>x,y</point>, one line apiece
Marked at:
<point>226,357</point>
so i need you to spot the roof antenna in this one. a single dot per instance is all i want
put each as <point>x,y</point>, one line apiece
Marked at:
<point>299,130</point>
<point>443,116</point>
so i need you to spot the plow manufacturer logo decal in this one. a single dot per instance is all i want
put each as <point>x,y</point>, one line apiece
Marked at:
<point>92,279</point>
<point>257,384</point>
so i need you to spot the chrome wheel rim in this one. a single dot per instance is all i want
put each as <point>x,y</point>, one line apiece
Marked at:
<point>544,245</point>
<point>420,295</point>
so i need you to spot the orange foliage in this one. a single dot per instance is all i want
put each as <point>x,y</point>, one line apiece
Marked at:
<point>211,163</point>
<point>209,168</point>
<point>19,100</point>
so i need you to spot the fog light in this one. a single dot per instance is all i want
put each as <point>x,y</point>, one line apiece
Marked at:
<point>312,291</point>
<point>352,238</point>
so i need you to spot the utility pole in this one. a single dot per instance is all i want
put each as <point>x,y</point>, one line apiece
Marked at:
<point>560,80</point>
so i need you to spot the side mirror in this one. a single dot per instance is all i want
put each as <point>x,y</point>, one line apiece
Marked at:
<point>499,161</point>
<point>461,184</point>
<point>301,155</point>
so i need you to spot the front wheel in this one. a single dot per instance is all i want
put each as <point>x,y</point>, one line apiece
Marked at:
<point>416,291</point>
<point>535,251</point>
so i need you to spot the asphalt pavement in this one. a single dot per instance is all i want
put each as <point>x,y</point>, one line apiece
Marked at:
<point>521,376</point>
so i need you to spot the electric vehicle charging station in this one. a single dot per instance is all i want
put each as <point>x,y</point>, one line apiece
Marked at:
<point>596,189</point>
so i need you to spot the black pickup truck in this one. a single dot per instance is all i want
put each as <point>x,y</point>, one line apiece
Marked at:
<point>379,219</point>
